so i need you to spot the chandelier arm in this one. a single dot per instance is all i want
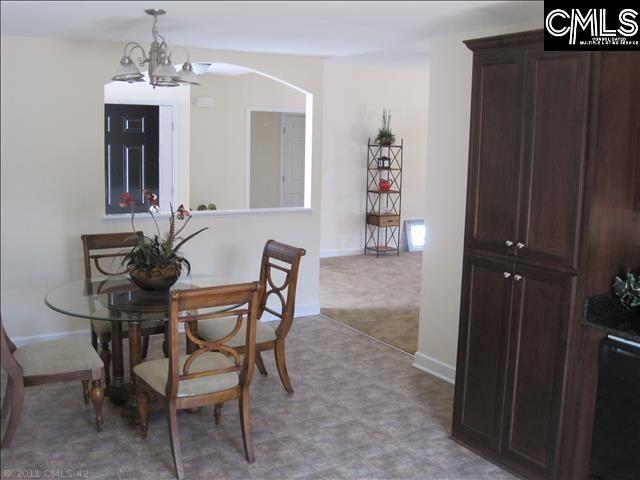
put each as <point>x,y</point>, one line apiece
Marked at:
<point>141,60</point>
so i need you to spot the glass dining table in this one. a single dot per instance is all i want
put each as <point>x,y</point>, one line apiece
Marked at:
<point>118,300</point>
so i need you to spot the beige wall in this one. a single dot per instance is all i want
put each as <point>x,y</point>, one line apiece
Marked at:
<point>52,179</point>
<point>354,98</point>
<point>218,170</point>
<point>266,156</point>
<point>445,189</point>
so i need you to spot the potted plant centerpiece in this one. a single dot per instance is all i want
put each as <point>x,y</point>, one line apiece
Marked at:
<point>155,263</point>
<point>385,137</point>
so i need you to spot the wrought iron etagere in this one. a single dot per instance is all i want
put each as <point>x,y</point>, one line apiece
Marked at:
<point>384,207</point>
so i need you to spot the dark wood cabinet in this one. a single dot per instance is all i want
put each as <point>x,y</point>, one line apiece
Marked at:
<point>552,217</point>
<point>535,366</point>
<point>495,145</point>
<point>486,304</point>
<point>527,149</point>
<point>554,156</point>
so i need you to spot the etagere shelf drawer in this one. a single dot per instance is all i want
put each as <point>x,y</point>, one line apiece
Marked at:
<point>383,220</point>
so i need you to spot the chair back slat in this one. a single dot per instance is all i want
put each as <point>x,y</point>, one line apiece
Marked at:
<point>284,291</point>
<point>185,301</point>
<point>106,241</point>
<point>208,316</point>
<point>200,298</point>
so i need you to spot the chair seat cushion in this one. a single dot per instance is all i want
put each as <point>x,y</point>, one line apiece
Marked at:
<point>155,373</point>
<point>220,327</point>
<point>57,356</point>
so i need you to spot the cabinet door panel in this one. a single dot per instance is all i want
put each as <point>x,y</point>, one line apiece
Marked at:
<point>554,146</point>
<point>481,366</point>
<point>541,312</point>
<point>494,157</point>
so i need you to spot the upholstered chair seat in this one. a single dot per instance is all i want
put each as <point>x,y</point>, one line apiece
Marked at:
<point>57,356</point>
<point>219,328</point>
<point>155,373</point>
<point>47,362</point>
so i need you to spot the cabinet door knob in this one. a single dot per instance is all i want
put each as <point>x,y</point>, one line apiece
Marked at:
<point>517,277</point>
<point>508,243</point>
<point>506,274</point>
<point>520,245</point>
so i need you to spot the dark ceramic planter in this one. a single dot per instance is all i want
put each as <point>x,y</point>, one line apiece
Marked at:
<point>155,280</point>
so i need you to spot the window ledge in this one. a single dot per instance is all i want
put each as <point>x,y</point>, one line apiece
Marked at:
<point>213,213</point>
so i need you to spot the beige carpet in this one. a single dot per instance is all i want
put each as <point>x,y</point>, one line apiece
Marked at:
<point>378,296</point>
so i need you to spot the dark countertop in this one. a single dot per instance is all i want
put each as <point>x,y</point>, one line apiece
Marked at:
<point>605,313</point>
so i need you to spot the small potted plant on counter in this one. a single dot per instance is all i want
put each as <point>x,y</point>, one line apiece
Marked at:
<point>628,290</point>
<point>385,136</point>
<point>155,263</point>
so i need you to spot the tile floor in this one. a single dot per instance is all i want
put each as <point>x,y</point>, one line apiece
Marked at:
<point>360,411</point>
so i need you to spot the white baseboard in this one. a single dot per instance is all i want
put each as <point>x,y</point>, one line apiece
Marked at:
<point>81,334</point>
<point>434,367</point>
<point>345,252</point>
<point>304,310</point>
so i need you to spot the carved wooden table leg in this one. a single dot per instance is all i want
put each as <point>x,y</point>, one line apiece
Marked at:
<point>118,391</point>
<point>135,357</point>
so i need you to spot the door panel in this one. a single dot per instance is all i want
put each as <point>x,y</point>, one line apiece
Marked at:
<point>554,146</point>
<point>131,154</point>
<point>494,162</point>
<point>481,366</point>
<point>541,311</point>
<point>293,161</point>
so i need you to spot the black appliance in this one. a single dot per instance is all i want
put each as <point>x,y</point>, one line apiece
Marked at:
<point>615,452</point>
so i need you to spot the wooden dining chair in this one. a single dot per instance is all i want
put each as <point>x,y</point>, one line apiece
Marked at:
<point>276,257</point>
<point>213,373</point>
<point>47,362</point>
<point>111,246</point>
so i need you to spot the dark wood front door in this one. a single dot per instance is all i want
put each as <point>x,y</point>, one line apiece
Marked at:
<point>554,146</point>
<point>494,157</point>
<point>481,364</point>
<point>131,153</point>
<point>538,334</point>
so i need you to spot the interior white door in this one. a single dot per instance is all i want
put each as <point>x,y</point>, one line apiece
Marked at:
<point>293,160</point>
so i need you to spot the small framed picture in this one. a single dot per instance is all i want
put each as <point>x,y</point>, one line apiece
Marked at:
<point>384,163</point>
<point>415,231</point>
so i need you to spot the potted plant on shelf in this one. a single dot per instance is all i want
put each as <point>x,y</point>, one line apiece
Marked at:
<point>628,290</point>
<point>155,263</point>
<point>385,136</point>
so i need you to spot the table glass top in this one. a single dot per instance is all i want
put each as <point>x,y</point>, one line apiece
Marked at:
<point>117,298</point>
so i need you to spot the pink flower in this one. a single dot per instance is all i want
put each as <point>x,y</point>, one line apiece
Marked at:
<point>127,200</point>
<point>182,212</point>
<point>151,197</point>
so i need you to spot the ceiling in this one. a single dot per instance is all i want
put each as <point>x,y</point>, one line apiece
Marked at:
<point>392,31</point>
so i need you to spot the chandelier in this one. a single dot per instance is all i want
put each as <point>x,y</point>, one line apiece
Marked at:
<point>162,73</point>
